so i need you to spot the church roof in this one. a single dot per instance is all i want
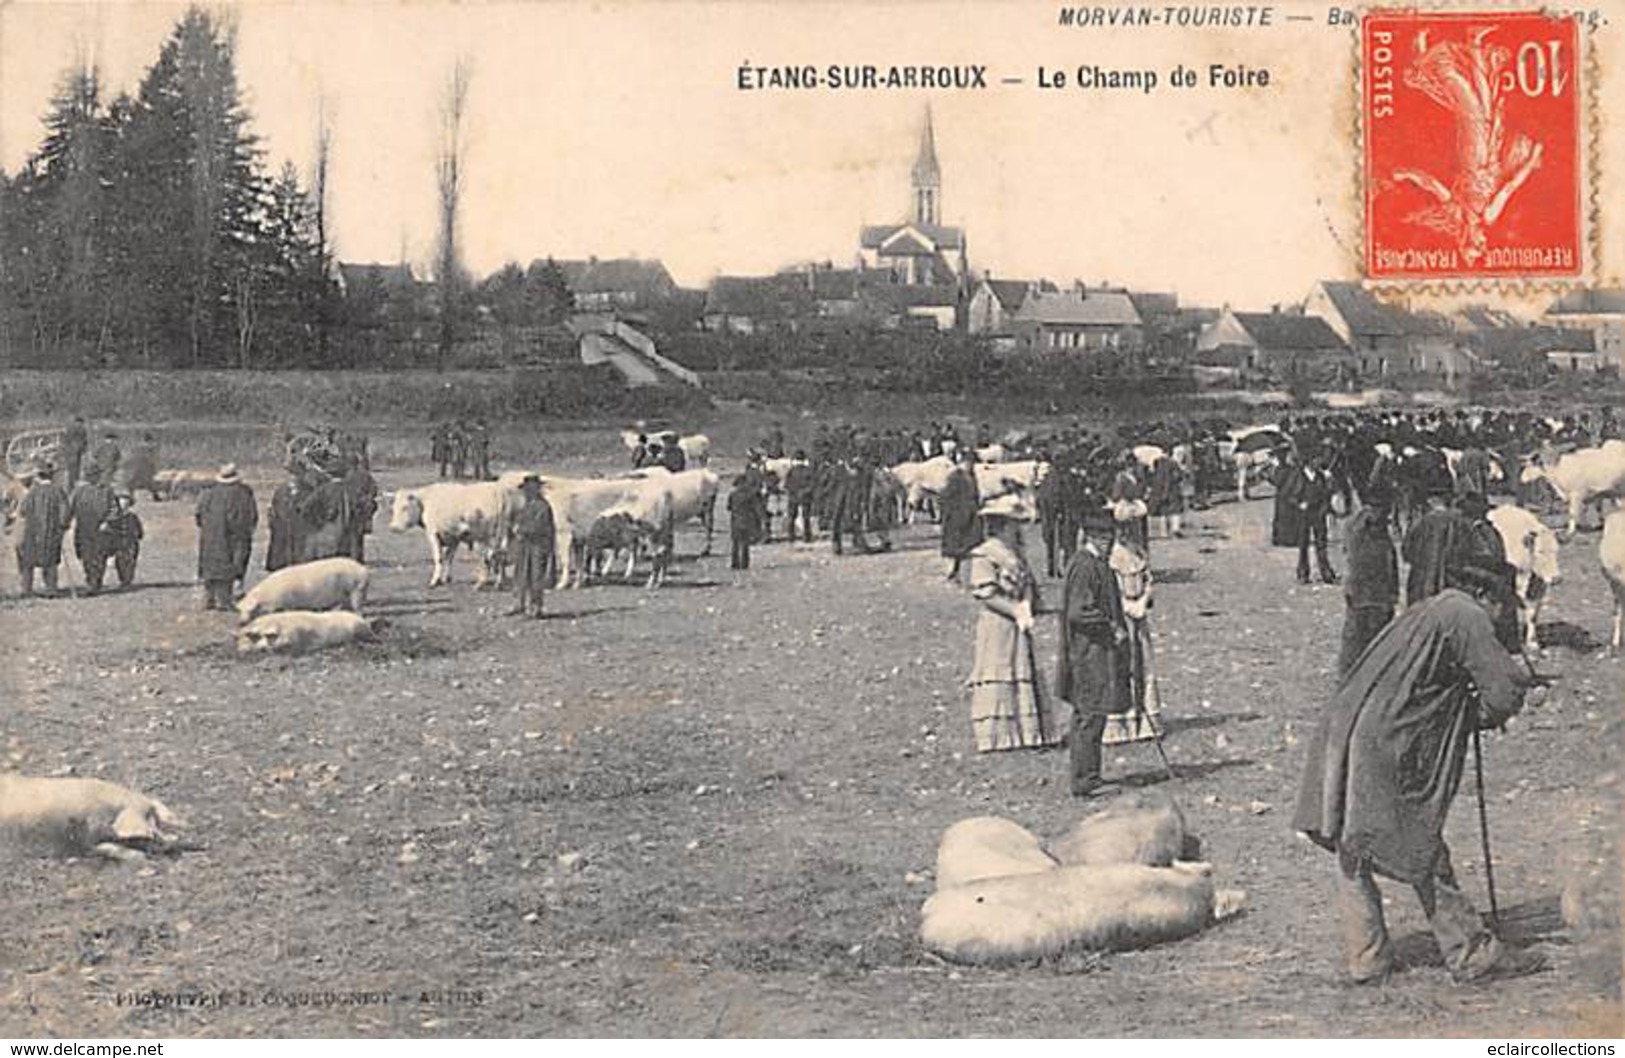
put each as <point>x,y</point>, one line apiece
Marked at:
<point>939,236</point>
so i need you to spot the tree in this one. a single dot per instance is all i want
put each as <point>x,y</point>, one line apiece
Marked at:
<point>449,160</point>
<point>198,165</point>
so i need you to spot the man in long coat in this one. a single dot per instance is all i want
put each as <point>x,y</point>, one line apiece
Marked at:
<point>1093,674</point>
<point>533,532</point>
<point>44,512</point>
<point>1385,763</point>
<point>1371,591</point>
<point>75,442</point>
<point>961,531</point>
<point>226,516</point>
<point>1428,542</point>
<point>91,504</point>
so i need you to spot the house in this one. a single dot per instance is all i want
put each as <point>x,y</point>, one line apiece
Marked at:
<point>1079,319</point>
<point>355,278</point>
<point>753,304</point>
<point>1387,340</point>
<point>1530,348</point>
<point>921,251</point>
<point>893,304</point>
<point>1279,344</point>
<point>834,291</point>
<point>992,308</point>
<point>621,284</point>
<point>1171,330</point>
<point>1602,312</point>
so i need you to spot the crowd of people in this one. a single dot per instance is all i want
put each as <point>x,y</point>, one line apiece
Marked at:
<point>461,448</point>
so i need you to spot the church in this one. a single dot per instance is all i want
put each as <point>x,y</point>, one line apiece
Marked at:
<point>921,251</point>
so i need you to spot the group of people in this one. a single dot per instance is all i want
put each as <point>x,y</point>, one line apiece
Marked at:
<point>101,515</point>
<point>325,508</point>
<point>461,448</point>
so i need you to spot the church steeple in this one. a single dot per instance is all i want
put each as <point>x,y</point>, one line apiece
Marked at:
<point>927,178</point>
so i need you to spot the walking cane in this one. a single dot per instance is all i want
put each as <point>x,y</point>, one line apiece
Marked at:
<point>1137,677</point>
<point>1484,825</point>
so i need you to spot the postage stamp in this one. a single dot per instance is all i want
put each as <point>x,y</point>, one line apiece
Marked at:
<point>1473,145</point>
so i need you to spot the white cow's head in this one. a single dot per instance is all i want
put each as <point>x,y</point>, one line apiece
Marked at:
<point>1541,545</point>
<point>407,512</point>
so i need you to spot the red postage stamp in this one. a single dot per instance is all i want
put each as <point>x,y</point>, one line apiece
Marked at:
<point>1472,145</point>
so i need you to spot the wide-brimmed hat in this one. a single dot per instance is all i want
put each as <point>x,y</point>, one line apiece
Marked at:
<point>228,475</point>
<point>1009,506</point>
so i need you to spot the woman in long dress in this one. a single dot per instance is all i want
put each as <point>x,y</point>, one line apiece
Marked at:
<point>1144,720</point>
<point>1008,709</point>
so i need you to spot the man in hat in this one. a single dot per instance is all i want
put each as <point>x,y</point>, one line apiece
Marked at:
<point>1093,667</point>
<point>1428,540</point>
<point>671,453</point>
<point>1385,762</point>
<point>1372,590</point>
<point>1314,507</point>
<point>226,516</point>
<point>44,512</point>
<point>533,533</point>
<point>746,521</point>
<point>800,484</point>
<point>90,505</point>
<point>105,457</point>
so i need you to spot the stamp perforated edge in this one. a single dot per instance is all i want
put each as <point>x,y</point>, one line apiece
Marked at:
<point>1589,171</point>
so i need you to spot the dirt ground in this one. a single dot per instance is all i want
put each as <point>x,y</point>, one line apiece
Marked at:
<point>695,811</point>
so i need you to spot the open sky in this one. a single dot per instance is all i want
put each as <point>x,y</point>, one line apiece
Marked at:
<point>616,128</point>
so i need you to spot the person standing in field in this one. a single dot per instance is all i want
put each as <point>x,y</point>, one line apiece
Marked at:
<point>800,484</point>
<point>1008,710</point>
<point>533,533</point>
<point>1093,670</point>
<point>226,516</point>
<point>1371,592</point>
<point>91,504</point>
<point>121,537</point>
<point>1143,718</point>
<point>1386,760</point>
<point>44,512</point>
<point>75,442</point>
<point>105,458</point>
<point>745,520</point>
<point>958,504</point>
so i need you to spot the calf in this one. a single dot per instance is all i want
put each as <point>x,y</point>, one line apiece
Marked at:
<point>1531,549</point>
<point>450,513</point>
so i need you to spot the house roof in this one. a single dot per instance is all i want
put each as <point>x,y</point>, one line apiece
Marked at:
<point>900,297</point>
<point>1282,331</point>
<point>1099,308</point>
<point>1009,293</point>
<point>939,236</point>
<point>1511,344</point>
<point>647,279</point>
<point>1589,302</point>
<point>1481,318</point>
<point>1153,303</point>
<point>1368,317</point>
<point>833,284</point>
<point>759,297</point>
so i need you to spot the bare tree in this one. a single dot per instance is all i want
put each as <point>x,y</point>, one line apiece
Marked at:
<point>318,191</point>
<point>449,162</point>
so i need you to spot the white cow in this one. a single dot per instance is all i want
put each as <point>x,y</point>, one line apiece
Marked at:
<point>301,631</point>
<point>696,448</point>
<point>1531,549</point>
<point>579,502</point>
<point>326,584</point>
<point>922,482</point>
<point>478,514</point>
<point>693,494</point>
<point>173,484</point>
<point>648,514</point>
<point>1021,477</point>
<point>1584,476</point>
<point>1612,554</point>
<point>1148,456</point>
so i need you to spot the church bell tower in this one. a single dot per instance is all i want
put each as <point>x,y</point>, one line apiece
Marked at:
<point>927,179</point>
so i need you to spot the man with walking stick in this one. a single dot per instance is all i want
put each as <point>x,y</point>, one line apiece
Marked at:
<point>1385,762</point>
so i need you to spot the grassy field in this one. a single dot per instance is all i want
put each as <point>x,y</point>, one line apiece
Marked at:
<point>695,811</point>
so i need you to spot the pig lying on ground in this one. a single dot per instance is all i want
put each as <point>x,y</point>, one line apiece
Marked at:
<point>1140,828</point>
<point>1115,881</point>
<point>326,584</point>
<point>300,631</point>
<point>72,816</point>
